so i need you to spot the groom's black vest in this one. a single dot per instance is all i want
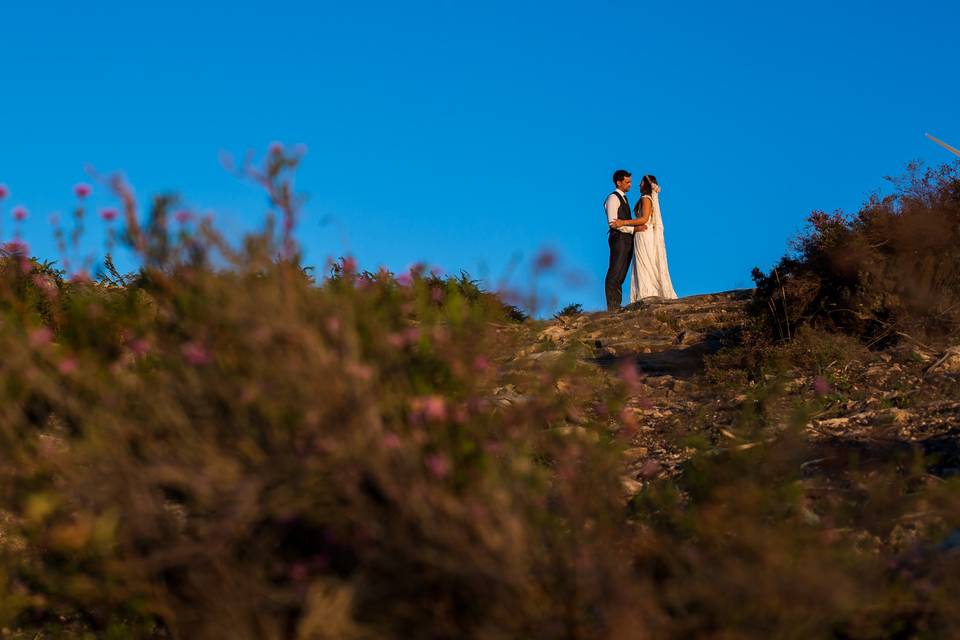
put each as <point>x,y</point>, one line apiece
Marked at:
<point>623,213</point>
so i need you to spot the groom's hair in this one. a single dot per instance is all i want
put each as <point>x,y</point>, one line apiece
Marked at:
<point>620,174</point>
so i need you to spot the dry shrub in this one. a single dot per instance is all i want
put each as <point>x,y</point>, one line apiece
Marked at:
<point>892,268</point>
<point>235,454</point>
<point>243,452</point>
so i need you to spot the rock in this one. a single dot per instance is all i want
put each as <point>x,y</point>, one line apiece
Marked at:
<point>809,516</point>
<point>948,362</point>
<point>579,432</point>
<point>507,395</point>
<point>659,381</point>
<point>546,357</point>
<point>687,338</point>
<point>630,486</point>
<point>834,423</point>
<point>634,454</point>
<point>555,333</point>
<point>607,352</point>
<point>876,371</point>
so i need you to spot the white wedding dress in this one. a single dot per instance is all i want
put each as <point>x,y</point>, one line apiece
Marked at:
<point>650,274</point>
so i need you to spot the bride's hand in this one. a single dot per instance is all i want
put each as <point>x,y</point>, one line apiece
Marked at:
<point>655,188</point>
<point>616,224</point>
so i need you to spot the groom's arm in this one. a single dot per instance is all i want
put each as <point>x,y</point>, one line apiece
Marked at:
<point>613,206</point>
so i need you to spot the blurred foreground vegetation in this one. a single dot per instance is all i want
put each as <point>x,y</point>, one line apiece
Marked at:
<point>221,446</point>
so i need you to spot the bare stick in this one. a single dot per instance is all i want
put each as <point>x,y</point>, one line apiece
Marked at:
<point>944,145</point>
<point>783,293</point>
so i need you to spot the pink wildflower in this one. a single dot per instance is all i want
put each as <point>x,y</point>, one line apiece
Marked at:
<point>546,259</point>
<point>820,386</point>
<point>349,265</point>
<point>82,190</point>
<point>227,161</point>
<point>628,371</point>
<point>405,279</point>
<point>80,277</point>
<point>493,447</point>
<point>390,440</point>
<point>43,282</point>
<point>438,465</point>
<point>361,372</point>
<point>67,366</point>
<point>298,572</point>
<point>40,337</point>
<point>434,408</point>
<point>480,363</point>
<point>4,191</point>
<point>436,294</point>
<point>333,325</point>
<point>195,353</point>
<point>19,213</point>
<point>183,216</point>
<point>139,347</point>
<point>276,148</point>
<point>17,247</point>
<point>428,408</point>
<point>109,214</point>
<point>403,338</point>
<point>418,268</point>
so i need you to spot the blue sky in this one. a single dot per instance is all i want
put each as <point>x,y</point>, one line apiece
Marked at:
<point>472,135</point>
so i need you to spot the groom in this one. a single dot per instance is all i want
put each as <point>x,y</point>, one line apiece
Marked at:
<point>619,239</point>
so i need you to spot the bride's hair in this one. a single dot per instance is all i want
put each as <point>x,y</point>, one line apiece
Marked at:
<point>646,184</point>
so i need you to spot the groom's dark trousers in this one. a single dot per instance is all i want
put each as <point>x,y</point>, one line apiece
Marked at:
<point>621,254</point>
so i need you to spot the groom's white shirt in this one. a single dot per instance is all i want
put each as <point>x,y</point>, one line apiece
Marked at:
<point>613,208</point>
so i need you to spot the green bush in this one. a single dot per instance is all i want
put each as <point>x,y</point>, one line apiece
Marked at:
<point>569,311</point>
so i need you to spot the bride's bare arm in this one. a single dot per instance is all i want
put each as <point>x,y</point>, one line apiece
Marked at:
<point>641,225</point>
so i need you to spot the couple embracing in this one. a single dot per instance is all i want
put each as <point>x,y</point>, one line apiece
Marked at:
<point>637,240</point>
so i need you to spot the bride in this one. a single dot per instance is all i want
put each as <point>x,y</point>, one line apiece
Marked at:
<point>650,274</point>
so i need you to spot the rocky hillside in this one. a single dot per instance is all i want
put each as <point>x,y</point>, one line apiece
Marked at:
<point>880,404</point>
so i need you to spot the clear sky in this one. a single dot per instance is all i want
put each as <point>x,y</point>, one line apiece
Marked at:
<point>468,135</point>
